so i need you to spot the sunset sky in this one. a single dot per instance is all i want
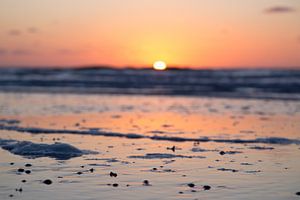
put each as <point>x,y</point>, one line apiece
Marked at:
<point>187,33</point>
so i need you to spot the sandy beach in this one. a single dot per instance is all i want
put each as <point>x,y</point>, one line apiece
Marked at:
<point>67,146</point>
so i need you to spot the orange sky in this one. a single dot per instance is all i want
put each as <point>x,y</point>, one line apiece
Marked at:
<point>193,33</point>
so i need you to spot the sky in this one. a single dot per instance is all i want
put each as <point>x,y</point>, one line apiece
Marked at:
<point>122,33</point>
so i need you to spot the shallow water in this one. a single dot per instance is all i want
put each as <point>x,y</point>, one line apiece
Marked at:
<point>250,168</point>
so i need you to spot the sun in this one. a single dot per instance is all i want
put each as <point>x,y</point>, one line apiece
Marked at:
<point>159,65</point>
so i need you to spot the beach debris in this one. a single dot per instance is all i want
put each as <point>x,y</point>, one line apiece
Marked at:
<point>225,169</point>
<point>47,182</point>
<point>261,148</point>
<point>162,156</point>
<point>229,152</point>
<point>191,185</point>
<point>245,163</point>
<point>146,183</point>
<point>112,174</point>
<point>173,148</point>
<point>206,187</point>
<point>253,171</point>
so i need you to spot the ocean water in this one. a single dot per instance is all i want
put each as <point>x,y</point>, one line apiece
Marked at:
<point>237,83</point>
<point>143,134</point>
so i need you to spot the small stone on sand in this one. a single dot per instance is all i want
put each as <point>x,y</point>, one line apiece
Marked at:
<point>222,153</point>
<point>146,183</point>
<point>21,170</point>
<point>112,174</point>
<point>27,171</point>
<point>47,182</point>
<point>28,165</point>
<point>115,185</point>
<point>206,187</point>
<point>191,185</point>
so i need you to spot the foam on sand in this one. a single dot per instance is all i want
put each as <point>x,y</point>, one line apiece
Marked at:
<point>60,151</point>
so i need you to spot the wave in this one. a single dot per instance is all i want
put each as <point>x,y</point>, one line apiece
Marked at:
<point>242,83</point>
<point>95,132</point>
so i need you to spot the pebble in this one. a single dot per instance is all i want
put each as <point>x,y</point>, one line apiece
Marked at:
<point>146,183</point>
<point>298,193</point>
<point>222,153</point>
<point>191,185</point>
<point>206,187</point>
<point>112,174</point>
<point>27,171</point>
<point>24,181</point>
<point>28,165</point>
<point>11,195</point>
<point>21,170</point>
<point>79,173</point>
<point>92,170</point>
<point>11,163</point>
<point>115,185</point>
<point>47,182</point>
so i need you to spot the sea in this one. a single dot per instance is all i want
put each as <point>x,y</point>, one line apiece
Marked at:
<point>283,84</point>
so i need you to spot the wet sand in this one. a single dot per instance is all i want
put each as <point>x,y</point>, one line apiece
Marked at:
<point>147,147</point>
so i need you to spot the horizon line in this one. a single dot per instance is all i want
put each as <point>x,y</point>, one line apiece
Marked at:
<point>145,67</point>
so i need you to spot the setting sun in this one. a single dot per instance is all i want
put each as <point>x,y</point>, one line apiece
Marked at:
<point>159,65</point>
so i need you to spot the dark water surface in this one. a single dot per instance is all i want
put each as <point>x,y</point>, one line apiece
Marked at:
<point>241,83</point>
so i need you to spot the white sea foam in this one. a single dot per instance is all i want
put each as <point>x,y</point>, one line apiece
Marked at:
<point>60,151</point>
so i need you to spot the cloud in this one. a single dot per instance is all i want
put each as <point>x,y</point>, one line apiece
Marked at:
<point>32,30</point>
<point>2,51</point>
<point>21,52</point>
<point>279,10</point>
<point>14,32</point>
<point>68,52</point>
